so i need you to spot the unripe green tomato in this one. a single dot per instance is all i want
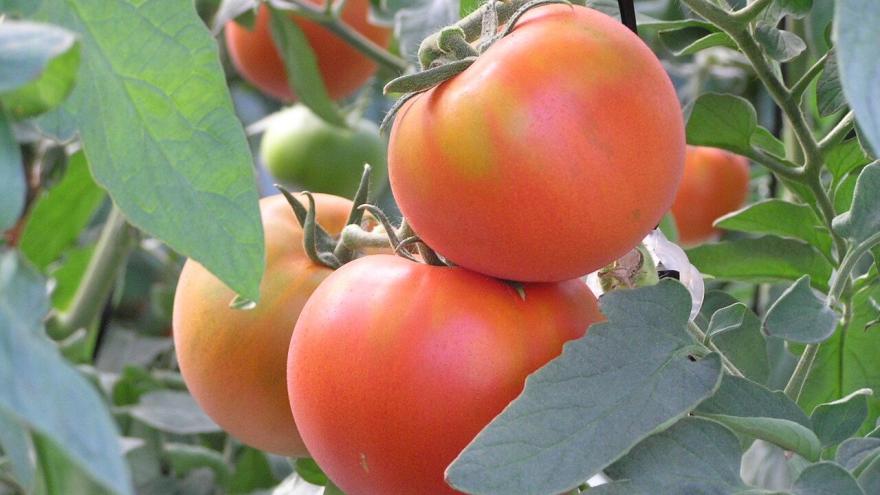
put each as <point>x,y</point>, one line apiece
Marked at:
<point>301,149</point>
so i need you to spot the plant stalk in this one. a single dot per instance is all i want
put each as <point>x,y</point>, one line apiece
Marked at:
<point>109,257</point>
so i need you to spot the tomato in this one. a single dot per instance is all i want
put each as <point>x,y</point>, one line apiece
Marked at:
<point>395,366</point>
<point>301,148</point>
<point>233,361</point>
<point>571,115</point>
<point>343,68</point>
<point>716,182</point>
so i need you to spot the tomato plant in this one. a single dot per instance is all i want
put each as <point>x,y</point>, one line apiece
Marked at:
<point>342,68</point>
<point>300,148</point>
<point>453,338</point>
<point>558,135</point>
<point>715,183</point>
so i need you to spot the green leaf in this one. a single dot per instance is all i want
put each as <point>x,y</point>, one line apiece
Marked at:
<point>781,218</point>
<point>825,478</point>
<point>869,479</point>
<point>681,42</point>
<point>132,384</point>
<point>13,184</point>
<point>780,45</point>
<point>764,259</point>
<point>853,453</point>
<point>57,474</point>
<point>777,9</point>
<point>863,218</point>
<point>172,412</point>
<point>844,192</point>
<point>829,93</point>
<point>17,447</point>
<point>302,68</point>
<point>847,362</point>
<point>845,157</point>
<point>742,398</point>
<point>799,315</point>
<point>29,362</point>
<point>52,53</point>
<point>68,275</point>
<point>309,470</point>
<point>722,121</point>
<point>668,227</point>
<point>628,378</point>
<point>836,421</point>
<point>765,140</point>
<point>20,7</point>
<point>57,218</point>
<point>693,456</point>
<point>184,459</point>
<point>159,131</point>
<point>782,432</point>
<point>736,331</point>
<point>27,49</point>
<point>252,473</point>
<point>857,31</point>
<point>465,7</point>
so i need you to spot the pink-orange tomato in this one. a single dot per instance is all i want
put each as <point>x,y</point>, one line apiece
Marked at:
<point>233,361</point>
<point>552,155</point>
<point>395,366</point>
<point>342,67</point>
<point>715,183</point>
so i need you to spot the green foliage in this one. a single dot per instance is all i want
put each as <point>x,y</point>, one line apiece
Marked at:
<point>799,315</point>
<point>57,218</point>
<point>857,31</point>
<point>763,259</point>
<point>164,143</point>
<point>626,379</point>
<point>13,185</point>
<point>38,379</point>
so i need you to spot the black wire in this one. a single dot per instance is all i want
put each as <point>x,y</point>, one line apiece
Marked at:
<point>628,15</point>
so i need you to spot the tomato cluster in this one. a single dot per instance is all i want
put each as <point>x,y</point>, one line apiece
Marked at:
<point>551,156</point>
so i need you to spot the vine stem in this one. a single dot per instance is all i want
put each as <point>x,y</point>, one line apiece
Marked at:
<point>839,282</point>
<point>328,18</point>
<point>704,339</point>
<point>736,26</point>
<point>837,133</point>
<point>100,276</point>
<point>797,90</point>
<point>750,11</point>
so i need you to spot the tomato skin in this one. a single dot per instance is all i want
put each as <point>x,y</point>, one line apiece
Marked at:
<point>570,114</point>
<point>343,68</point>
<point>395,366</point>
<point>715,183</point>
<point>299,148</point>
<point>233,361</point>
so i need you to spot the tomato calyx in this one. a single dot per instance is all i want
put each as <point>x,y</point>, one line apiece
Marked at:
<point>320,246</point>
<point>405,243</point>
<point>450,51</point>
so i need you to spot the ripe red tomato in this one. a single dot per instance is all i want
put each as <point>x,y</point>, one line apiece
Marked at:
<point>571,115</point>
<point>395,366</point>
<point>715,182</point>
<point>233,361</point>
<point>343,68</point>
